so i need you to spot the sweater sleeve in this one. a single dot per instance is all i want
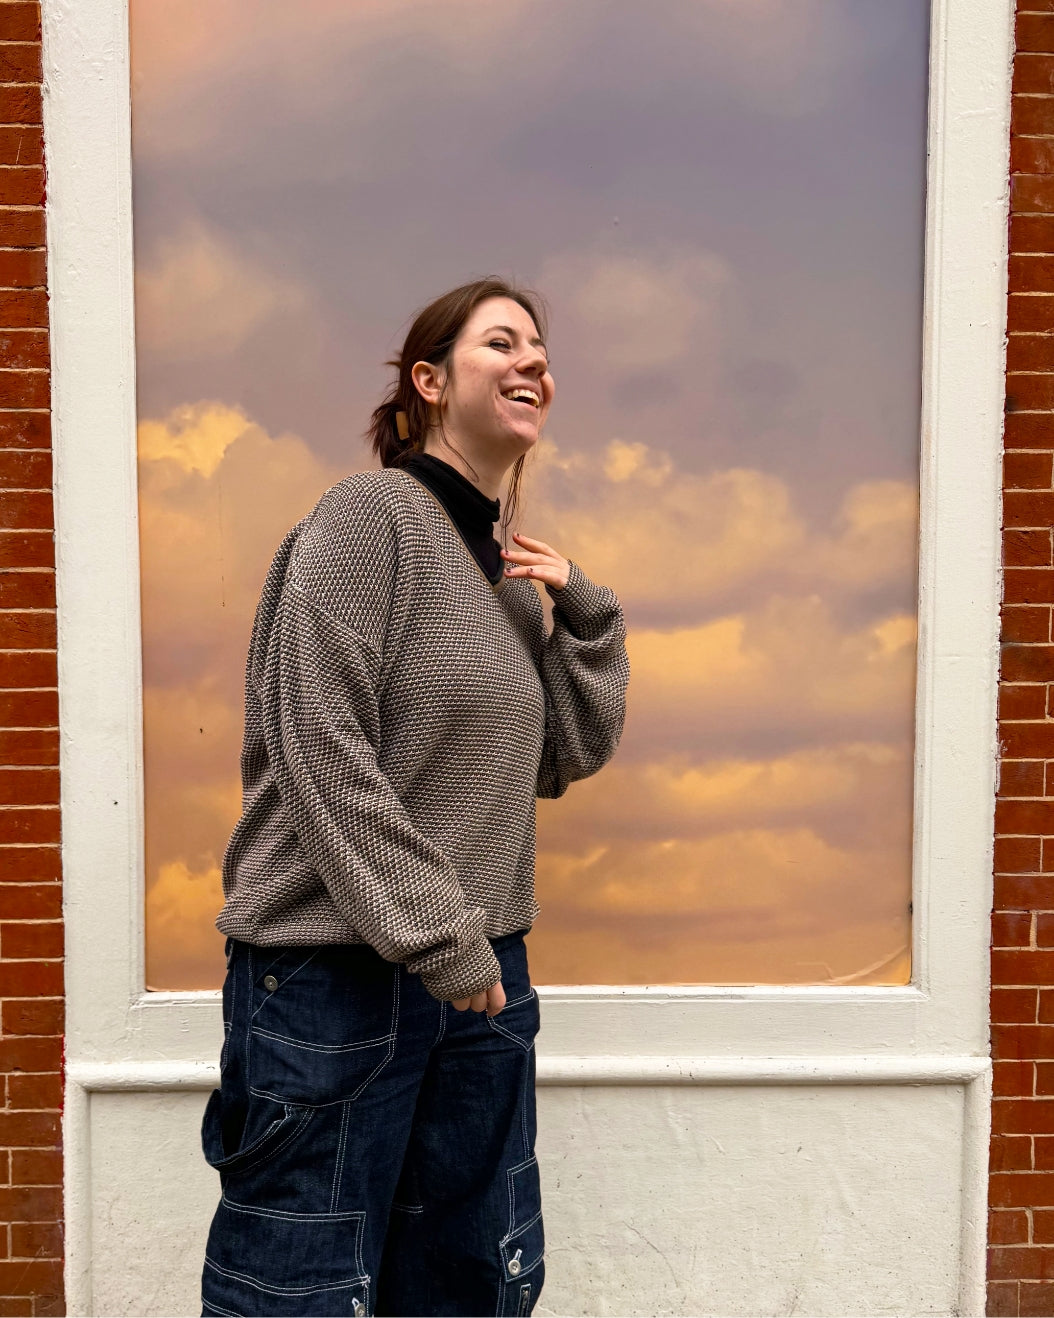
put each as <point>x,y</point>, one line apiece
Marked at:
<point>322,730</point>
<point>585,673</point>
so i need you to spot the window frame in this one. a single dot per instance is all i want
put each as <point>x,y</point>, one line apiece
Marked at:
<point>936,1026</point>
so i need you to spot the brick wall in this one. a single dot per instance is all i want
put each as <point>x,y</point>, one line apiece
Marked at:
<point>31,980</point>
<point>1021,1182</point>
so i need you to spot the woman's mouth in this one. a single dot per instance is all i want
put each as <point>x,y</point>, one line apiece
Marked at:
<point>525,396</point>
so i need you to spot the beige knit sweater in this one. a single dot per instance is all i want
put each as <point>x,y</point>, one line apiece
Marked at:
<point>401,715</point>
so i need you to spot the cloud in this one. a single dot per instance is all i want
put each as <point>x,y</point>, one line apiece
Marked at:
<point>676,545</point>
<point>198,296</point>
<point>184,949</point>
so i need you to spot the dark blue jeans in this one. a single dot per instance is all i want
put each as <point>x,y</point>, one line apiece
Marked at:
<point>375,1147</point>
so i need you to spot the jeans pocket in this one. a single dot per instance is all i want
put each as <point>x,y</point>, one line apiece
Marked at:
<point>281,1264</point>
<point>323,1022</point>
<point>287,1126</point>
<point>519,1020</point>
<point>523,1249</point>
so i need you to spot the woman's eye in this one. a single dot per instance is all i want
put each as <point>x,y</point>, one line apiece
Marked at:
<point>499,343</point>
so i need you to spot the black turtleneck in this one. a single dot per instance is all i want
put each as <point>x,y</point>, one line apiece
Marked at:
<point>469,508</point>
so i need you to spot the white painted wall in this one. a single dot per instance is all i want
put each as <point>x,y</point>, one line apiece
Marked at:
<point>706,1150</point>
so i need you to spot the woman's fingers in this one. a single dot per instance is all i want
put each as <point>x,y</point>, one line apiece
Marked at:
<point>540,562</point>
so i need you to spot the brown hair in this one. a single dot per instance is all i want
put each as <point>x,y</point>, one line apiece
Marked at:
<point>430,339</point>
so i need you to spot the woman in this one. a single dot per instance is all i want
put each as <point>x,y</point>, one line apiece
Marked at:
<point>374,1128</point>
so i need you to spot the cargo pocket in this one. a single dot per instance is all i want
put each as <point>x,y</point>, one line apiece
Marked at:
<point>323,1022</point>
<point>287,1125</point>
<point>280,1264</point>
<point>523,1249</point>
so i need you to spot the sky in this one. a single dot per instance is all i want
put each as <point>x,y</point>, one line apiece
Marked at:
<point>722,203</point>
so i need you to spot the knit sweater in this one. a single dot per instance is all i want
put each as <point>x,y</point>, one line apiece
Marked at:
<point>401,715</point>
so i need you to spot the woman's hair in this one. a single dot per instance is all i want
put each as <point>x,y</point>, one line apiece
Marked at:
<point>430,339</point>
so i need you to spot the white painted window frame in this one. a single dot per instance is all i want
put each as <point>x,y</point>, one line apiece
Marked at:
<point>933,1030</point>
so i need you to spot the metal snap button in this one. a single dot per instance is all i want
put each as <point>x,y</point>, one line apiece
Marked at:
<point>270,983</point>
<point>515,1265</point>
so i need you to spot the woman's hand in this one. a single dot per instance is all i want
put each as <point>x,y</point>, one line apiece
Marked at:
<point>491,1002</point>
<point>538,561</point>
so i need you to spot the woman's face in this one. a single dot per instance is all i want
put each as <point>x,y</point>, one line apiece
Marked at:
<point>498,353</point>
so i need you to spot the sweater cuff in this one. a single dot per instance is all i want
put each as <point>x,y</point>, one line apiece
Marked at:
<point>581,601</point>
<point>474,972</point>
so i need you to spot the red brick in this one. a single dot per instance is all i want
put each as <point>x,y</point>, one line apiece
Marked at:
<point>1024,585</point>
<point>1030,430</point>
<point>36,1240</point>
<point>1010,1153</point>
<point>30,824</point>
<point>1002,1299</point>
<point>29,786</point>
<point>43,901</point>
<point>54,1305</point>
<point>20,22</point>
<point>1008,1006</point>
<point>28,709</point>
<point>27,1277</point>
<point>29,746</point>
<point>1044,1151</point>
<point>1019,623</point>
<point>1012,1042</point>
<point>1030,313</point>
<point>30,350</point>
<point>24,145</point>
<point>22,669</point>
<point>1036,1299</point>
<point>28,268</point>
<point>20,62</point>
<point>24,429</point>
<point>1028,967</point>
<point>1025,352</point>
<point>30,389</point>
<point>29,864</point>
<point>1024,469</point>
<point>23,308</point>
<point>1017,778</point>
<point>1021,741</point>
<point>1031,233</point>
<point>1022,702</point>
<point>21,228</point>
<point>31,979</point>
<point>1045,929</point>
<point>1013,1079</point>
<point>35,1092</point>
<point>33,1130</point>
<point>1035,1264</point>
<point>20,105</point>
<point>23,185</point>
<point>1009,928</point>
<point>34,1203</point>
<point>1017,855</point>
<point>1023,1116</point>
<point>27,549</point>
<point>29,1052</point>
<point>1030,155</point>
<point>32,588</point>
<point>1010,816</point>
<point>1033,73</point>
<point>27,940</point>
<point>1027,548</point>
<point>1034,31</point>
<point>31,510</point>
<point>1008,1226</point>
<point>35,630</point>
<point>1032,273</point>
<point>36,1166</point>
<point>36,1022</point>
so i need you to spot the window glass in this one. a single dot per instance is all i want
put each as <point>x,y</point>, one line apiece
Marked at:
<point>722,202</point>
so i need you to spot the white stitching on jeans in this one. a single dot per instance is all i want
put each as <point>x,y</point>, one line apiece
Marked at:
<point>337,1171</point>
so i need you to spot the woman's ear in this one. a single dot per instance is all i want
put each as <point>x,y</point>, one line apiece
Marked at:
<point>428,381</point>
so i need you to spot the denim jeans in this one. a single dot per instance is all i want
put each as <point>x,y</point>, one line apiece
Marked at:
<point>375,1147</point>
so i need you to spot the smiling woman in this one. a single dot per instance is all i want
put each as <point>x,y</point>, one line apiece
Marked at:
<point>403,711</point>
